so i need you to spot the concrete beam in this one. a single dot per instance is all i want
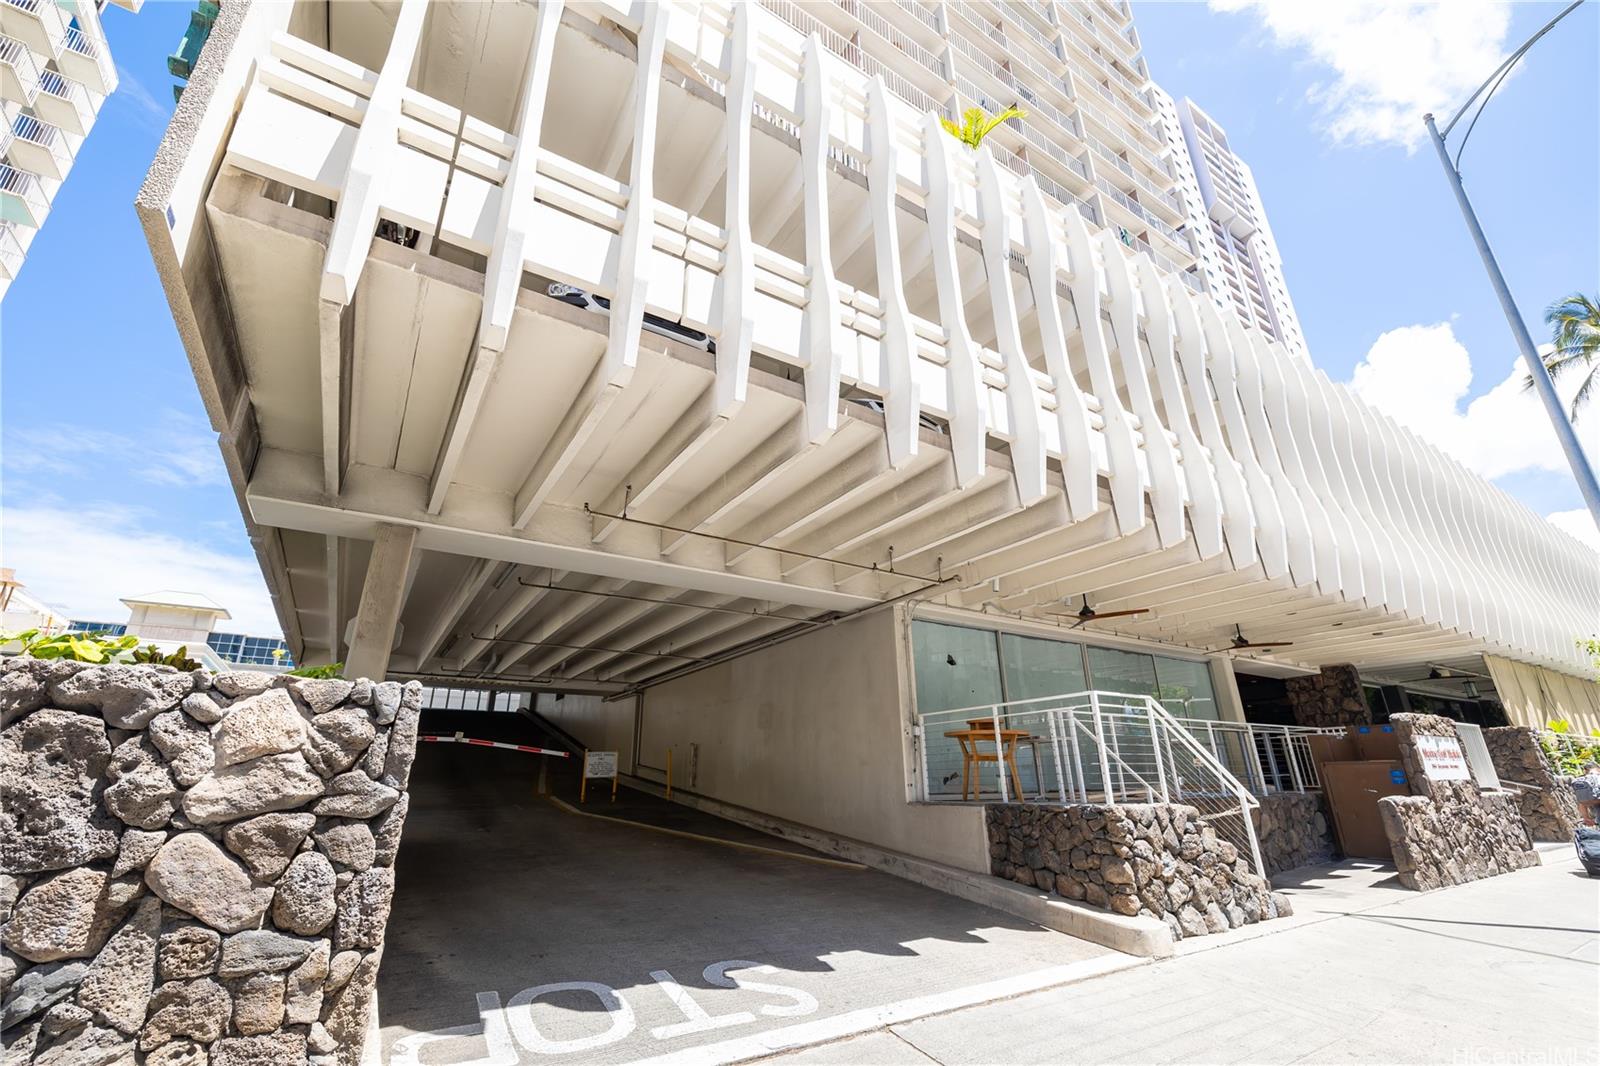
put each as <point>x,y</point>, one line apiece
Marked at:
<point>382,594</point>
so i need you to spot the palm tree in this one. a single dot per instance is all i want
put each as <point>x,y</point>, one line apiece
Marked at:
<point>977,124</point>
<point>1575,331</point>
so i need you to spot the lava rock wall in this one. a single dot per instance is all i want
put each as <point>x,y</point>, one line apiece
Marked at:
<point>1552,810</point>
<point>1155,859</point>
<point>1449,832</point>
<point>195,868</point>
<point>1292,830</point>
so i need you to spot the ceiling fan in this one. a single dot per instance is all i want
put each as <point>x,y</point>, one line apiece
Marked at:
<point>1087,614</point>
<point>1239,643</point>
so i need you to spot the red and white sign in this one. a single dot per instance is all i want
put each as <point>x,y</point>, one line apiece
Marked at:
<point>1442,759</point>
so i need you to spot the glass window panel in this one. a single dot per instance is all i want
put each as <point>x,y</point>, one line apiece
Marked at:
<point>1115,670</point>
<point>955,667</point>
<point>1036,667</point>
<point>1186,688</point>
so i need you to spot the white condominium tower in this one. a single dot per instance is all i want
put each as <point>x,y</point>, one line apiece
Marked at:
<point>584,344</point>
<point>1237,254</point>
<point>55,72</point>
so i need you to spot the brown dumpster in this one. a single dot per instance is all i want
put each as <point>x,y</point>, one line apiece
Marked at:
<point>1353,790</point>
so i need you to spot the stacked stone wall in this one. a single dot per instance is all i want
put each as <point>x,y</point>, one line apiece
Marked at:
<point>195,870</point>
<point>1157,860</point>
<point>1330,697</point>
<point>1292,830</point>
<point>1449,832</point>
<point>1551,811</point>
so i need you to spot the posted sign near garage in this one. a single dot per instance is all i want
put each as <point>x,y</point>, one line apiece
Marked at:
<point>600,764</point>
<point>1442,759</point>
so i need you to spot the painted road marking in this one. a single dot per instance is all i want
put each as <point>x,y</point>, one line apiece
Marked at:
<point>499,1026</point>
<point>853,1023</point>
<point>504,1028</point>
<point>843,864</point>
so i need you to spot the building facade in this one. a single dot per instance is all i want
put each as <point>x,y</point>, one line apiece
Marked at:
<point>1228,222</point>
<point>659,337</point>
<point>56,71</point>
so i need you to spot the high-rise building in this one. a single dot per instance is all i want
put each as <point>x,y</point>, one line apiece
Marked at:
<point>1228,221</point>
<point>55,72</point>
<point>609,348</point>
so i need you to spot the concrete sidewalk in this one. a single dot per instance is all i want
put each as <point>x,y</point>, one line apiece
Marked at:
<point>1503,970</point>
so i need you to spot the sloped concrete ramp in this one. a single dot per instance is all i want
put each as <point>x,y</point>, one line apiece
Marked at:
<point>522,932</point>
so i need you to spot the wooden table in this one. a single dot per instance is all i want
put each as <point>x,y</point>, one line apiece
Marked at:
<point>971,754</point>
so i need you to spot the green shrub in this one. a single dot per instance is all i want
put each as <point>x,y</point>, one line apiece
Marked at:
<point>329,670</point>
<point>79,647</point>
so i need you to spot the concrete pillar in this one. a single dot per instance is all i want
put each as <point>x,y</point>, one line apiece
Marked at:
<point>1225,687</point>
<point>382,596</point>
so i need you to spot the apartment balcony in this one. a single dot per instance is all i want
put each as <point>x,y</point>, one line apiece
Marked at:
<point>852,53</point>
<point>11,251</point>
<point>19,72</point>
<point>87,60</point>
<point>1046,42</point>
<point>1164,201</point>
<point>1032,70</point>
<point>972,60</point>
<point>64,103</point>
<point>39,147</point>
<point>1042,10</point>
<point>881,38</point>
<point>22,198</point>
<point>39,24</point>
<point>925,17</point>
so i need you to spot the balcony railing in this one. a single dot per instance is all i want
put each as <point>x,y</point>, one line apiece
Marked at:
<point>1169,197</point>
<point>45,137</point>
<point>78,43</point>
<point>68,93</point>
<point>19,57</point>
<point>971,55</point>
<point>852,53</point>
<point>921,12</point>
<point>10,250</point>
<point>878,26</point>
<point>22,196</point>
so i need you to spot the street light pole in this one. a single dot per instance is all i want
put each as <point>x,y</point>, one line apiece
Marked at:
<point>1581,470</point>
<point>1542,383</point>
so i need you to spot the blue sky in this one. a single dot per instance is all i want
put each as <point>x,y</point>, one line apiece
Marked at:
<point>112,481</point>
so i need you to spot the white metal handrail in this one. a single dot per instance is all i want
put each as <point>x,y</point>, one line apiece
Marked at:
<point>10,249</point>
<point>20,56</point>
<point>1110,747</point>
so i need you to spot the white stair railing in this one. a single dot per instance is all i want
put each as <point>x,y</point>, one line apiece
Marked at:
<point>1088,747</point>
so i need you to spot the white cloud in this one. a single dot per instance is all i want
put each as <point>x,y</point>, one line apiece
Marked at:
<point>1390,62</point>
<point>1419,375</point>
<point>174,449</point>
<point>82,559</point>
<point>1579,524</point>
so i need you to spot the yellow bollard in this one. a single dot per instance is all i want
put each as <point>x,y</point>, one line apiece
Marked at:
<point>583,776</point>
<point>669,773</point>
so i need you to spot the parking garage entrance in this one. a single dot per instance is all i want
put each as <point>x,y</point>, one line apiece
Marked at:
<point>525,928</point>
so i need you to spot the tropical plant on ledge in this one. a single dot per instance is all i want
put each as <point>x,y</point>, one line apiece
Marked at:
<point>976,124</point>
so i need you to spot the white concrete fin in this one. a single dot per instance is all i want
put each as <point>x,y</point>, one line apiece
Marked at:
<point>1022,396</point>
<point>824,341</point>
<point>361,194</point>
<point>1238,514</point>
<point>1079,465</point>
<point>1205,508</point>
<point>736,319</point>
<point>1128,479</point>
<point>503,277</point>
<point>1247,386</point>
<point>1272,543</point>
<point>1166,488</point>
<point>902,404</point>
<point>631,281</point>
<point>964,372</point>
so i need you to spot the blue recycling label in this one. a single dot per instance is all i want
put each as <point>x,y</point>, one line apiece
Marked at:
<point>1397,777</point>
<point>1363,729</point>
